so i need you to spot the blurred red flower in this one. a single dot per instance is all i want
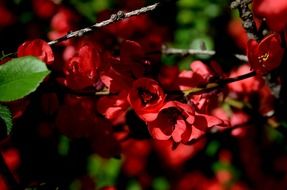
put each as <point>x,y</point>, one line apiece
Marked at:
<point>246,86</point>
<point>63,22</point>
<point>44,8</point>
<point>6,17</point>
<point>275,13</point>
<point>38,48</point>
<point>81,69</point>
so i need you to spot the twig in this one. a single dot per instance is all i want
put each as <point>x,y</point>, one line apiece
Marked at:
<point>184,52</point>
<point>246,17</point>
<point>212,86</point>
<point>120,15</point>
<point>194,91</point>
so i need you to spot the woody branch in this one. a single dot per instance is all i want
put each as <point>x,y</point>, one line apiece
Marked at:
<point>120,15</point>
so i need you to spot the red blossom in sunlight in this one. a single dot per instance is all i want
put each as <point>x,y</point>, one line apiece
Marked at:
<point>199,74</point>
<point>266,55</point>
<point>180,122</point>
<point>146,98</point>
<point>115,106</point>
<point>81,69</point>
<point>38,48</point>
<point>275,13</point>
<point>205,102</point>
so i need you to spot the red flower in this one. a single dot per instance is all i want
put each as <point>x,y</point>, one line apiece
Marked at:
<point>44,8</point>
<point>6,17</point>
<point>114,107</point>
<point>238,34</point>
<point>77,118</point>
<point>168,76</point>
<point>175,158</point>
<point>198,75</point>
<point>63,22</point>
<point>133,27</point>
<point>246,86</point>
<point>81,69</point>
<point>38,48</point>
<point>275,13</point>
<point>132,59</point>
<point>146,98</point>
<point>265,55</point>
<point>135,153</point>
<point>180,122</point>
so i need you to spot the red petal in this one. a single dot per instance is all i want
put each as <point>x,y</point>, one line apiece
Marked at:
<point>203,122</point>
<point>157,132</point>
<point>38,48</point>
<point>180,128</point>
<point>252,54</point>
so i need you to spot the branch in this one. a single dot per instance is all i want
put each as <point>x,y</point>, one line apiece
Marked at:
<point>212,86</point>
<point>120,15</point>
<point>246,17</point>
<point>184,52</point>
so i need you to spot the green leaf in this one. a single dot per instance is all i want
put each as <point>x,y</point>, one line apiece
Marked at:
<point>63,146</point>
<point>90,8</point>
<point>21,76</point>
<point>212,148</point>
<point>5,114</point>
<point>105,171</point>
<point>133,185</point>
<point>160,183</point>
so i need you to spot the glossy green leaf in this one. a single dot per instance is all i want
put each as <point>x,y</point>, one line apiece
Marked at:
<point>5,114</point>
<point>21,76</point>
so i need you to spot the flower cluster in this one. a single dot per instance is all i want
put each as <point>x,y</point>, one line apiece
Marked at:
<point>112,93</point>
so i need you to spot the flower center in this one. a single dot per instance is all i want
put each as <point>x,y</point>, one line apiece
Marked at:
<point>171,115</point>
<point>146,96</point>
<point>263,57</point>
